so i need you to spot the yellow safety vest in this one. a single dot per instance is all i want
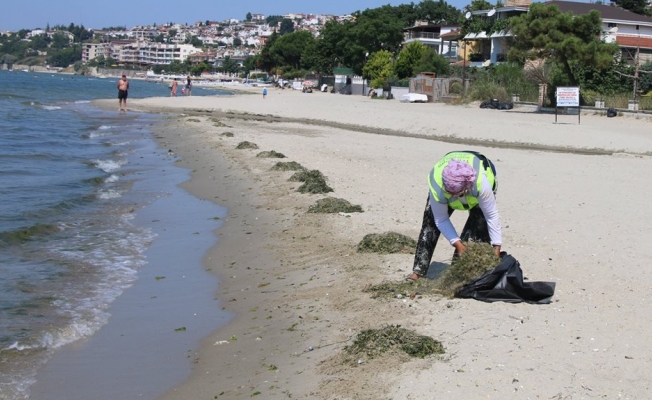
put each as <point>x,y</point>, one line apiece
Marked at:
<point>435,180</point>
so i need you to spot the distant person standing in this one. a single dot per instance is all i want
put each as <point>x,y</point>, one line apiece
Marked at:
<point>123,92</point>
<point>189,86</point>
<point>173,92</point>
<point>264,93</point>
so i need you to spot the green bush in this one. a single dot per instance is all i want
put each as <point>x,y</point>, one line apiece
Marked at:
<point>590,96</point>
<point>456,88</point>
<point>500,81</point>
<point>487,90</point>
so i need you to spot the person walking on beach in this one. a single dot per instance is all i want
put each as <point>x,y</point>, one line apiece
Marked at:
<point>189,86</point>
<point>461,180</point>
<point>173,92</point>
<point>123,92</point>
<point>264,93</point>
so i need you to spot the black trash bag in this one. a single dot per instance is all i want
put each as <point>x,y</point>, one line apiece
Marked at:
<point>491,104</point>
<point>505,283</point>
<point>611,112</point>
<point>506,106</point>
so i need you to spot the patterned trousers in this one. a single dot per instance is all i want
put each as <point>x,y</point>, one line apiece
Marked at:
<point>475,229</point>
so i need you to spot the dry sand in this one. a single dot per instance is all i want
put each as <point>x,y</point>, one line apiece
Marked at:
<point>295,280</point>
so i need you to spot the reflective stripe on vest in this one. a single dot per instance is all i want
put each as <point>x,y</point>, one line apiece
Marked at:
<point>435,181</point>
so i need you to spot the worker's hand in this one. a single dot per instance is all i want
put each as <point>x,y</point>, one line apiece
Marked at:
<point>414,276</point>
<point>497,250</point>
<point>459,247</point>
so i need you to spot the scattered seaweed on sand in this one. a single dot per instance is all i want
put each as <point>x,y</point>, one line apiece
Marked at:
<point>314,182</point>
<point>218,123</point>
<point>403,289</point>
<point>372,343</point>
<point>246,145</point>
<point>387,243</point>
<point>476,260</point>
<point>331,205</point>
<point>227,134</point>
<point>193,120</point>
<point>270,154</point>
<point>288,166</point>
<point>304,175</point>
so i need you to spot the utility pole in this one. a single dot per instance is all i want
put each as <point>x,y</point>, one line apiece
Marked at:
<point>635,93</point>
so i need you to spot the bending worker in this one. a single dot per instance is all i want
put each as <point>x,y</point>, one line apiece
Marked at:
<point>462,180</point>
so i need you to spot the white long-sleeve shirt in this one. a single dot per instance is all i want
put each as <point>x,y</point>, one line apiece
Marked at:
<point>486,202</point>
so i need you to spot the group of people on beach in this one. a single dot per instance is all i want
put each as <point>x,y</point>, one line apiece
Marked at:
<point>186,90</point>
<point>123,90</point>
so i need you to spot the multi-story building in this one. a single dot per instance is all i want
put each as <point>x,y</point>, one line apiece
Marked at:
<point>430,35</point>
<point>91,51</point>
<point>632,32</point>
<point>139,52</point>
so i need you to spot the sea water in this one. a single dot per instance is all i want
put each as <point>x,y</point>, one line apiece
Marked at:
<point>73,181</point>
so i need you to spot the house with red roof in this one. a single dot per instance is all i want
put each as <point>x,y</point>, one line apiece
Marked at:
<point>632,32</point>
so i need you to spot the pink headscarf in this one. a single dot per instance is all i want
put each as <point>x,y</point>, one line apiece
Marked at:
<point>458,176</point>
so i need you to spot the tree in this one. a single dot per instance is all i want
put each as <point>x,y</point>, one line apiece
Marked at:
<point>197,69</point>
<point>172,33</point>
<point>635,6</point>
<point>60,41</point>
<point>8,59</point>
<point>288,49</point>
<point>334,46</point>
<point>432,62</point>
<point>266,62</point>
<point>248,17</point>
<point>547,33</point>
<point>408,59</point>
<point>438,11</point>
<point>287,26</point>
<point>249,64</point>
<point>378,68</point>
<point>40,42</point>
<point>229,65</point>
<point>317,59</point>
<point>65,57</point>
<point>237,42</point>
<point>273,20</point>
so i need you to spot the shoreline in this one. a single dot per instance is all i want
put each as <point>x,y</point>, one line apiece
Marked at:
<point>296,283</point>
<point>165,310</point>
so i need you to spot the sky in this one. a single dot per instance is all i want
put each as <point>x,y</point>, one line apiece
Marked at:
<point>32,14</point>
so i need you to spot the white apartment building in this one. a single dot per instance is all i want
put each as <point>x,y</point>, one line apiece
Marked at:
<point>91,51</point>
<point>139,53</point>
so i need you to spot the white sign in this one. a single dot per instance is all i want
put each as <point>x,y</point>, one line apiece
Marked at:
<point>568,96</point>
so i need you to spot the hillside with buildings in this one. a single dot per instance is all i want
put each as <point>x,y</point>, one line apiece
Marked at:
<point>145,46</point>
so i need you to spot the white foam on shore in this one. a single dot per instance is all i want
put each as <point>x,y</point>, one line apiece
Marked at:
<point>109,194</point>
<point>109,165</point>
<point>112,179</point>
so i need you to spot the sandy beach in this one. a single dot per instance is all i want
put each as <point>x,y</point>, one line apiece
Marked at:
<point>567,198</point>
